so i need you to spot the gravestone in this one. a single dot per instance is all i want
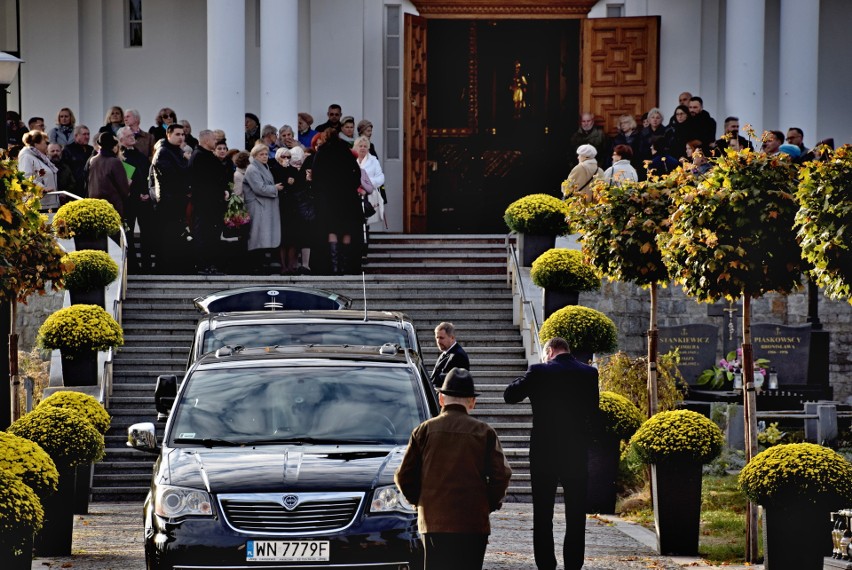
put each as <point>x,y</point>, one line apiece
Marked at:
<point>787,348</point>
<point>697,346</point>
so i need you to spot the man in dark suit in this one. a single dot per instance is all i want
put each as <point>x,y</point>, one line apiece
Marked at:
<point>564,397</point>
<point>452,355</point>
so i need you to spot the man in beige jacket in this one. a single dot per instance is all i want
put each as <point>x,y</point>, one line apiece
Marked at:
<point>455,472</point>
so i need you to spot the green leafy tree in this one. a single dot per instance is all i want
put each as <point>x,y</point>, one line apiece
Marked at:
<point>732,236</point>
<point>825,211</point>
<point>619,225</point>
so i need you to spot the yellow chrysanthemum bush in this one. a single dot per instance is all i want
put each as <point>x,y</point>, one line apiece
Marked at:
<point>564,269</point>
<point>618,415</point>
<point>585,329</point>
<point>28,461</point>
<point>92,269</point>
<point>80,328</point>
<point>678,435</point>
<point>67,436</point>
<point>797,472</point>
<point>90,217</point>
<point>540,214</point>
<point>81,403</point>
<point>21,514</point>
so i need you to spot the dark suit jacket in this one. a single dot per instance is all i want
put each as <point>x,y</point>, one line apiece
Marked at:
<point>455,357</point>
<point>564,397</point>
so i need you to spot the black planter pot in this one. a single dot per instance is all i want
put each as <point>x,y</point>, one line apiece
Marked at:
<point>530,246</point>
<point>22,560</point>
<point>80,369</point>
<point>796,536</point>
<point>677,506</point>
<point>88,242</point>
<point>555,299</point>
<point>95,297</point>
<point>604,453</point>
<point>82,488</point>
<point>55,536</point>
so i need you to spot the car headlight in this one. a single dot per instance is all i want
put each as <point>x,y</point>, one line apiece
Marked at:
<point>175,502</point>
<point>389,499</point>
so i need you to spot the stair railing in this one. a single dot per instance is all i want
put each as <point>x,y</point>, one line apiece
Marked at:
<point>523,311</point>
<point>105,376</point>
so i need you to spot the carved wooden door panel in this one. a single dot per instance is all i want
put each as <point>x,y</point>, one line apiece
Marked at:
<point>414,124</point>
<point>620,65</point>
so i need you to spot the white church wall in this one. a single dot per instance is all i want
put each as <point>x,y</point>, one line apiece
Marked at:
<point>835,74</point>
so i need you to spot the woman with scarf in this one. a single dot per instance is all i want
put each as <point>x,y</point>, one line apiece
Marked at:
<point>63,132</point>
<point>35,164</point>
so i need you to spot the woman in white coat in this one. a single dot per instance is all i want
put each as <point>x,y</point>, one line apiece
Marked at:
<point>36,165</point>
<point>370,165</point>
<point>261,196</point>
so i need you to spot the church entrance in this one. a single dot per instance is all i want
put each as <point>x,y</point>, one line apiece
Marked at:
<point>502,103</point>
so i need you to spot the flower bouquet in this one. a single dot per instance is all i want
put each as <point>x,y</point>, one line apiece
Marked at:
<point>716,377</point>
<point>236,216</point>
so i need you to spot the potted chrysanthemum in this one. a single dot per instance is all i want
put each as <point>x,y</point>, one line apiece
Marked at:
<point>79,332</point>
<point>92,271</point>
<point>537,219</point>
<point>586,330</point>
<point>70,440</point>
<point>562,274</point>
<point>798,485</point>
<point>618,419</point>
<point>93,411</point>
<point>89,221</point>
<point>21,516</point>
<point>676,444</point>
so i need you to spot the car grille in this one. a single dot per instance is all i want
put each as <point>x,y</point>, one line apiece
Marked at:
<point>264,513</point>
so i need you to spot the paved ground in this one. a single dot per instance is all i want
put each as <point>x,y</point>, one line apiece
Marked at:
<point>110,538</point>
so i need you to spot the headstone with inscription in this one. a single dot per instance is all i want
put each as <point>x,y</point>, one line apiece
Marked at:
<point>787,348</point>
<point>697,346</point>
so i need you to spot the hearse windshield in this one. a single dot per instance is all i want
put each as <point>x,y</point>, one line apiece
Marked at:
<point>298,404</point>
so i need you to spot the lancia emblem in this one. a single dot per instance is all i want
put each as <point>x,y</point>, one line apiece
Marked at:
<point>290,502</point>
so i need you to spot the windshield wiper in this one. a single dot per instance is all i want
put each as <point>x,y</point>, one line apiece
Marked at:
<point>209,441</point>
<point>311,441</point>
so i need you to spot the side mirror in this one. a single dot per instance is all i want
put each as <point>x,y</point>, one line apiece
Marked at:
<point>143,436</point>
<point>165,393</point>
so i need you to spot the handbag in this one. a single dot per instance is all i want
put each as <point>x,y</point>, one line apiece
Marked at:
<point>369,209</point>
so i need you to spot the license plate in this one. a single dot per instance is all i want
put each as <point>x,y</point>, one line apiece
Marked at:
<point>287,550</point>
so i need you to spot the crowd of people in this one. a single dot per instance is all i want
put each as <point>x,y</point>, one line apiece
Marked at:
<point>654,147</point>
<point>298,191</point>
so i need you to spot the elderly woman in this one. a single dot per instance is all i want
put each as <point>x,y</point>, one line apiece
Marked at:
<point>287,138</point>
<point>371,167</point>
<point>35,164</point>
<point>297,213</point>
<point>582,176</point>
<point>261,196</point>
<point>654,129</point>
<point>63,132</point>
<point>629,134</point>
<point>621,169</point>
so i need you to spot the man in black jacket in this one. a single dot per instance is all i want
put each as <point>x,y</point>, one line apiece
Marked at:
<point>452,354</point>
<point>139,205</point>
<point>209,181</point>
<point>701,125</point>
<point>171,184</point>
<point>564,397</point>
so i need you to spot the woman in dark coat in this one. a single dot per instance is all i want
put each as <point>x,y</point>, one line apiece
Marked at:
<point>336,176</point>
<point>678,133</point>
<point>107,177</point>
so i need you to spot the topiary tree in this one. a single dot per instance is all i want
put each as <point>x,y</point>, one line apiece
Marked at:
<point>585,329</point>
<point>825,208</point>
<point>618,227</point>
<point>30,259</point>
<point>81,403</point>
<point>732,236</point>
<point>564,269</point>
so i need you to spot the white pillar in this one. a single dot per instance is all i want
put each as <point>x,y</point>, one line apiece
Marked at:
<point>798,77</point>
<point>744,35</point>
<point>279,62</point>
<point>226,63</point>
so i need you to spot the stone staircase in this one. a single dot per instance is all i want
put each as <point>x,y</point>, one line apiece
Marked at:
<point>431,278</point>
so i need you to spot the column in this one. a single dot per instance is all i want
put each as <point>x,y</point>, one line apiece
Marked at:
<point>744,36</point>
<point>226,77</point>
<point>798,78</point>
<point>279,62</point>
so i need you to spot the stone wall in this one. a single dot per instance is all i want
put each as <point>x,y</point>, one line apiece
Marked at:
<point>33,314</point>
<point>629,306</point>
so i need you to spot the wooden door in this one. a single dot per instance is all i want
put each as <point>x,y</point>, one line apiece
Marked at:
<point>620,63</point>
<point>414,124</point>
